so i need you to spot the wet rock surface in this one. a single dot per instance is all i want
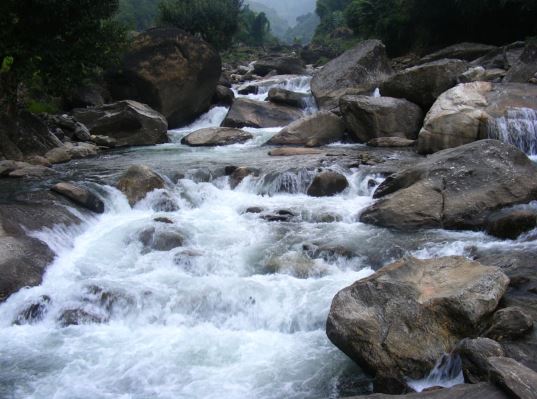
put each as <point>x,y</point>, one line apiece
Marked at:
<point>258,114</point>
<point>216,136</point>
<point>138,181</point>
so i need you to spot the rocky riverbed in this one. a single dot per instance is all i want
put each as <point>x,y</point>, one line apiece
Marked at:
<point>262,248</point>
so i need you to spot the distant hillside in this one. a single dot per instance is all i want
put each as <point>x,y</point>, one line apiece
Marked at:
<point>289,10</point>
<point>304,30</point>
<point>278,25</point>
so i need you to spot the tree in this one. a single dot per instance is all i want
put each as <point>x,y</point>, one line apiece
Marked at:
<point>55,44</point>
<point>260,29</point>
<point>216,21</point>
<point>137,14</point>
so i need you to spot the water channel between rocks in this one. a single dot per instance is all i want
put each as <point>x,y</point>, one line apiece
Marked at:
<point>238,311</point>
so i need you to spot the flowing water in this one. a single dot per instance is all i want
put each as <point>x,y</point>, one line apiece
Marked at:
<point>237,311</point>
<point>519,128</point>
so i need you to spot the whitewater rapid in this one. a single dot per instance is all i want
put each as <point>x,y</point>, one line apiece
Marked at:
<point>237,311</point>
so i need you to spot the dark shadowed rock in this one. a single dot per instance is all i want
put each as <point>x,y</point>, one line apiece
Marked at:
<point>327,184</point>
<point>398,322</point>
<point>466,391</point>
<point>129,123</point>
<point>525,68</point>
<point>171,71</point>
<point>511,223</point>
<point>510,323</point>
<point>80,195</point>
<point>455,189</point>
<point>239,174</point>
<point>250,113</point>
<point>278,95</point>
<point>460,51</point>
<point>517,380</point>
<point>502,57</point>
<point>423,84</point>
<point>161,239</point>
<point>363,67</point>
<point>282,65</point>
<point>216,136</point>
<point>76,317</point>
<point>369,117</point>
<point>138,181</point>
<point>313,131</point>
<point>474,354</point>
<point>223,96</point>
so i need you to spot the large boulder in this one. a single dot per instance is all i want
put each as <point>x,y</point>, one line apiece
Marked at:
<point>455,189</point>
<point>80,196</point>
<point>215,136</point>
<point>278,95</point>
<point>397,323</point>
<point>327,184</point>
<point>368,117</point>
<point>517,380</point>
<point>525,68</point>
<point>474,354</point>
<point>259,114</point>
<point>171,71</point>
<point>479,110</point>
<point>315,130</point>
<point>363,67</point>
<point>128,122</point>
<point>282,65</point>
<point>422,84</point>
<point>24,135</point>
<point>138,181</point>
<point>460,51</point>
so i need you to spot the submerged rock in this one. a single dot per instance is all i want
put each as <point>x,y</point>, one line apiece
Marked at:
<point>327,184</point>
<point>455,189</point>
<point>368,117</point>
<point>313,131</point>
<point>216,136</point>
<point>363,67</point>
<point>129,123</point>
<point>160,239</point>
<point>259,114</point>
<point>460,51</point>
<point>398,322</point>
<point>80,195</point>
<point>171,71</point>
<point>138,181</point>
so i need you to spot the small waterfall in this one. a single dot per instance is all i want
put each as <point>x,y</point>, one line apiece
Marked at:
<point>518,127</point>
<point>446,373</point>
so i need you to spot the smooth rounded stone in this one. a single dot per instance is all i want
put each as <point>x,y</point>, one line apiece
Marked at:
<point>474,354</point>
<point>423,84</point>
<point>138,181</point>
<point>58,155</point>
<point>460,51</point>
<point>23,135</point>
<point>516,379</point>
<point>216,136</point>
<point>314,130</point>
<point>36,160</point>
<point>76,317</point>
<point>525,68</point>
<point>80,195</point>
<point>472,111</point>
<point>398,322</point>
<point>8,166</point>
<point>278,95</point>
<point>391,142</point>
<point>293,151</point>
<point>511,223</point>
<point>81,132</point>
<point>104,141</point>
<point>81,150</point>
<point>239,174</point>
<point>32,171</point>
<point>281,64</point>
<point>369,117</point>
<point>254,209</point>
<point>363,67</point>
<point>158,239</point>
<point>455,189</point>
<point>164,220</point>
<point>223,96</point>
<point>128,122</point>
<point>480,74</point>
<point>259,114</point>
<point>327,184</point>
<point>509,324</point>
<point>463,391</point>
<point>171,71</point>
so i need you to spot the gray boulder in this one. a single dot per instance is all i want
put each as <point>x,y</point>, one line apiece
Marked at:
<point>460,51</point>
<point>509,324</point>
<point>525,68</point>
<point>368,117</point>
<point>327,184</point>
<point>171,71</point>
<point>363,68</point>
<point>138,181</point>
<point>474,354</point>
<point>455,189</point>
<point>216,136</point>
<point>315,130</point>
<point>424,83</point>
<point>80,195</point>
<point>282,65</point>
<point>259,114</point>
<point>517,380</point>
<point>130,123</point>
<point>398,322</point>
<point>277,95</point>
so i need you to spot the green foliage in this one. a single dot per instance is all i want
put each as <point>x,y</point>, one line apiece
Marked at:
<point>56,44</point>
<point>216,21</point>
<point>304,30</point>
<point>409,24</point>
<point>137,14</point>
<point>40,107</point>
<point>260,29</point>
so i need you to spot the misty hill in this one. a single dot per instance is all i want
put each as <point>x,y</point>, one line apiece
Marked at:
<point>289,10</point>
